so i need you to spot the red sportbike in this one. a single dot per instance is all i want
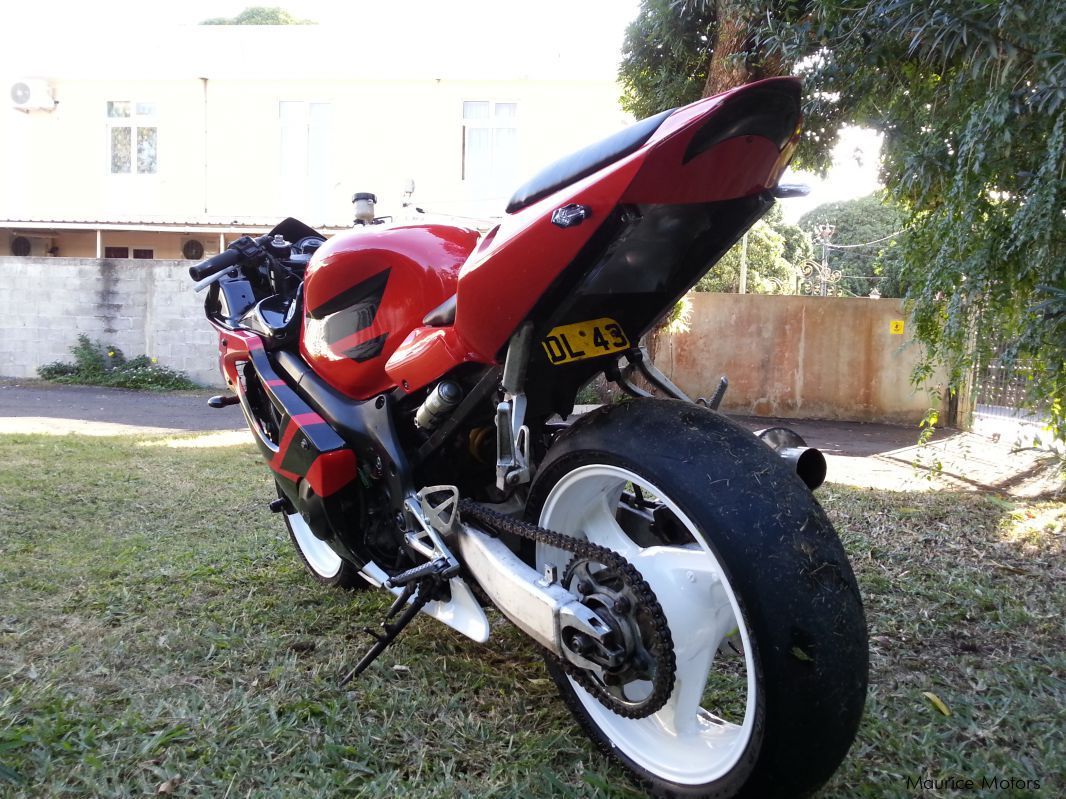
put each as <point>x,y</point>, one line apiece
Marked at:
<point>412,389</point>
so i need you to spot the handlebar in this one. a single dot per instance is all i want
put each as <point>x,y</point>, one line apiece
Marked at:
<point>224,260</point>
<point>243,249</point>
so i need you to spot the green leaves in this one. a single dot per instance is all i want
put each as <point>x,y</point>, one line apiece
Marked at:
<point>866,219</point>
<point>971,97</point>
<point>773,247</point>
<point>259,15</point>
<point>99,364</point>
<point>665,56</point>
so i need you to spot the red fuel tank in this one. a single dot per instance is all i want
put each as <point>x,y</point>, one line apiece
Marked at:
<point>366,290</point>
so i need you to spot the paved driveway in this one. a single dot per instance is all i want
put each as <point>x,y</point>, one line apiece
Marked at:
<point>40,407</point>
<point>874,455</point>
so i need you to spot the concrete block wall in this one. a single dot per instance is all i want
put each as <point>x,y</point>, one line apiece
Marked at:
<point>792,357</point>
<point>142,307</point>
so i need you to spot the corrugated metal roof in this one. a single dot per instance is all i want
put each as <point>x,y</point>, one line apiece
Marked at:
<point>159,224</point>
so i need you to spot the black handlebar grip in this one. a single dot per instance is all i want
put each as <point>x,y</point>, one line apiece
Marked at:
<point>224,260</point>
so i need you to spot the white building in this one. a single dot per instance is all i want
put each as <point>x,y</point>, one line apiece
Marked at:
<point>166,148</point>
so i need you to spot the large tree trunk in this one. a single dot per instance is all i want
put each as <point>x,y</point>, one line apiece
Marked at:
<point>735,60</point>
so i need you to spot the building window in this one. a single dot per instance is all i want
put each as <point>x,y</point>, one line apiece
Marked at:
<point>132,137</point>
<point>124,252</point>
<point>490,146</point>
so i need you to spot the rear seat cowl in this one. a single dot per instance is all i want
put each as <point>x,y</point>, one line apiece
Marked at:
<point>585,161</point>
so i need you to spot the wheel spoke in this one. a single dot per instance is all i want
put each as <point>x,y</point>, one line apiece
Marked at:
<point>679,715</point>
<point>688,585</point>
<point>601,525</point>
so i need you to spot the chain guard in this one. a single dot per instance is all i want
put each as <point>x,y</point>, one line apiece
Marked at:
<point>654,631</point>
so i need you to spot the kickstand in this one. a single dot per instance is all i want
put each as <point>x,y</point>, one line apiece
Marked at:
<point>424,591</point>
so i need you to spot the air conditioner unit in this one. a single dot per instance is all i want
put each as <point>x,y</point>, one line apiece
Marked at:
<point>21,246</point>
<point>192,249</point>
<point>32,94</point>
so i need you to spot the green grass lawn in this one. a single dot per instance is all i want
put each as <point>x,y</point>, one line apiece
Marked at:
<point>157,634</point>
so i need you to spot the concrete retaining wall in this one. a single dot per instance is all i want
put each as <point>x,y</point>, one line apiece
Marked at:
<point>794,357</point>
<point>142,307</point>
<point>801,357</point>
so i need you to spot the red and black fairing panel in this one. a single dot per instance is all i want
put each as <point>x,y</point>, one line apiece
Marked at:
<point>299,445</point>
<point>315,468</point>
<point>310,450</point>
<point>365,291</point>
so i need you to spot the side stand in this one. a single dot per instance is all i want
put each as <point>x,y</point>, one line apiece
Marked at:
<point>424,591</point>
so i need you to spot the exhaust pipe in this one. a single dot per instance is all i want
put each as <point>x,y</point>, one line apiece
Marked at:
<point>807,462</point>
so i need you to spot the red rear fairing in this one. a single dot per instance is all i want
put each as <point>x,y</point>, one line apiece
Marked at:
<point>725,148</point>
<point>366,292</point>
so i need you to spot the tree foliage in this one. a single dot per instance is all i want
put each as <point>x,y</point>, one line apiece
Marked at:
<point>971,98</point>
<point>664,58</point>
<point>768,271</point>
<point>867,219</point>
<point>677,51</point>
<point>259,15</point>
<point>775,250</point>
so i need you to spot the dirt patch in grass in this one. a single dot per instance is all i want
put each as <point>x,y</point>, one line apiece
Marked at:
<point>155,629</point>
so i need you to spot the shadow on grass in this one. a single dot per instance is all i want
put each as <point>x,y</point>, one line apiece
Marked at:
<point>964,606</point>
<point>154,628</point>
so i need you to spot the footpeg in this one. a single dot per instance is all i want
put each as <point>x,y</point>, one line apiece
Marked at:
<point>279,505</point>
<point>435,568</point>
<point>221,401</point>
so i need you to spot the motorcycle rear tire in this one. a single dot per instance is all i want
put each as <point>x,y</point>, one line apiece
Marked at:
<point>769,561</point>
<point>318,557</point>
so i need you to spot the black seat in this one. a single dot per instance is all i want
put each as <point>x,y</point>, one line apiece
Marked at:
<point>443,315</point>
<point>584,162</point>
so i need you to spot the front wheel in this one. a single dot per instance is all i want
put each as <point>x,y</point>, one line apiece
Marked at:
<point>317,556</point>
<point>763,609</point>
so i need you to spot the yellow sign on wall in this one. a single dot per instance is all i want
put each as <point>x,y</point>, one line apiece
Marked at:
<point>896,327</point>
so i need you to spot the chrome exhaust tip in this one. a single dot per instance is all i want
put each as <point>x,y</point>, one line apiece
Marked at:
<point>807,462</point>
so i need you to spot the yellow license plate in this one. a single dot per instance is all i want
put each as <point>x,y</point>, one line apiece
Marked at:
<point>581,340</point>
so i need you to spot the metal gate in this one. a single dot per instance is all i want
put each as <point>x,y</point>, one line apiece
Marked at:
<point>1000,408</point>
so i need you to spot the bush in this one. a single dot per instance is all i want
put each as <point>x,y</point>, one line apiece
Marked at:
<point>97,364</point>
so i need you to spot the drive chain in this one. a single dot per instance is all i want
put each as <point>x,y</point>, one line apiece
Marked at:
<point>661,643</point>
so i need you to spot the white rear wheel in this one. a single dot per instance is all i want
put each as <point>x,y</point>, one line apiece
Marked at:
<point>702,731</point>
<point>762,606</point>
